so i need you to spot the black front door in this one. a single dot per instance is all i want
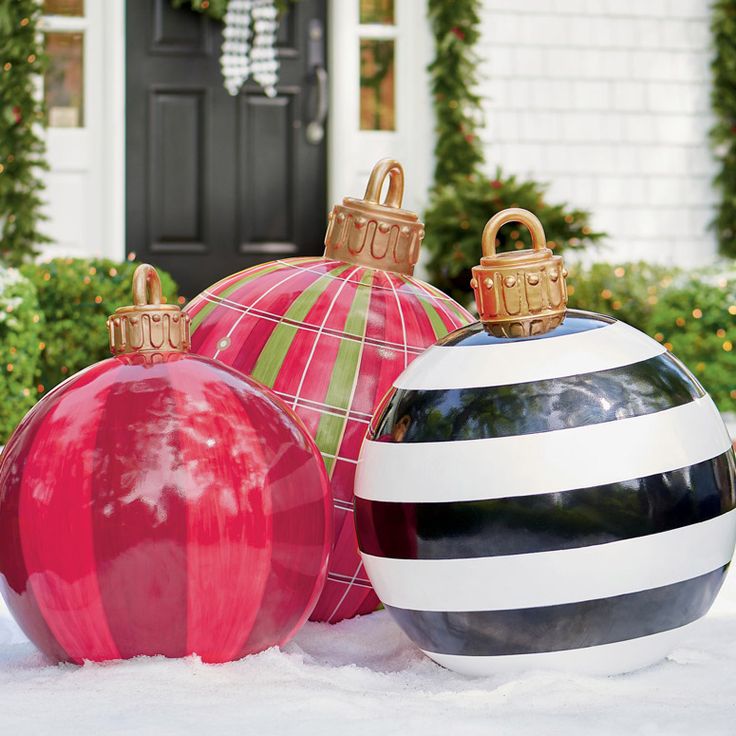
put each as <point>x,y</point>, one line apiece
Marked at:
<point>216,183</point>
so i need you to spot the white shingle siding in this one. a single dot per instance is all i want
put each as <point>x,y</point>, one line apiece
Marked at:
<point>608,101</point>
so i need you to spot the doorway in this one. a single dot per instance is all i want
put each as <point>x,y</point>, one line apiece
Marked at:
<point>216,183</point>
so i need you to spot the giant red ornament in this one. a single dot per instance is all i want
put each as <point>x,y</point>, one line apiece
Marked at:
<point>329,335</point>
<point>161,503</point>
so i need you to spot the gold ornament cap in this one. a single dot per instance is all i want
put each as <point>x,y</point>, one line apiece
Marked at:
<point>520,293</point>
<point>376,234</point>
<point>148,325</point>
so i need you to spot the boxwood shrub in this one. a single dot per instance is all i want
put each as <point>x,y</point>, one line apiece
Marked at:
<point>693,313</point>
<point>76,296</point>
<point>21,334</point>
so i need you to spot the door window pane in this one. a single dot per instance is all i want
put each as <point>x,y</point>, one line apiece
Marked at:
<point>64,80</point>
<point>377,111</point>
<point>377,11</point>
<point>63,7</point>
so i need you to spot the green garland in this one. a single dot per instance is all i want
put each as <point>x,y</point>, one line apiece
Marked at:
<point>216,9</point>
<point>723,133</point>
<point>463,198</point>
<point>22,146</point>
<point>452,81</point>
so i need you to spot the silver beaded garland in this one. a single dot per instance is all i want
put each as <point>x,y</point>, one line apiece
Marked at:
<point>249,45</point>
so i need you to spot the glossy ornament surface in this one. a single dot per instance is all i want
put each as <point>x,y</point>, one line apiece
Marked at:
<point>161,503</point>
<point>329,335</point>
<point>560,500</point>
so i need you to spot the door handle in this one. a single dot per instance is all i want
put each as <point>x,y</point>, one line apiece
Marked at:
<point>316,128</point>
<point>315,131</point>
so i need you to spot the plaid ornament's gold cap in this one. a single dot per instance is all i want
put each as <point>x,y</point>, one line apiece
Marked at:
<point>376,234</point>
<point>521,293</point>
<point>148,325</point>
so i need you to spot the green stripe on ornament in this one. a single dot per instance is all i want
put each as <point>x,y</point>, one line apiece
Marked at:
<point>331,428</point>
<point>453,308</point>
<point>270,361</point>
<point>442,300</point>
<point>247,276</point>
<point>438,326</point>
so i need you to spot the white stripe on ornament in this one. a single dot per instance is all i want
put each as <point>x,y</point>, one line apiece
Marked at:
<point>262,296</point>
<point>315,341</point>
<point>403,321</point>
<point>351,414</point>
<point>501,364</point>
<point>606,659</point>
<point>330,332</point>
<point>555,577</point>
<point>546,462</point>
<point>331,617</point>
<point>409,285</point>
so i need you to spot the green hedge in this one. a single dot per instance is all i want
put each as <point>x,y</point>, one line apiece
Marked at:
<point>21,321</point>
<point>692,313</point>
<point>76,297</point>
<point>52,319</point>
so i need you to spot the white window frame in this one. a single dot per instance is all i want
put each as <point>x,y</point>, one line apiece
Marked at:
<point>351,151</point>
<point>96,150</point>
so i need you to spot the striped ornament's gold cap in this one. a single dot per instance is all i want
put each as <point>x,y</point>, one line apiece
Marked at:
<point>521,293</point>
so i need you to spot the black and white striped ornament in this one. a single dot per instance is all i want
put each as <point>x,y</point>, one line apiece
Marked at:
<point>561,500</point>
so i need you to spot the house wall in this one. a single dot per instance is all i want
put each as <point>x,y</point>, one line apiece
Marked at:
<point>608,101</point>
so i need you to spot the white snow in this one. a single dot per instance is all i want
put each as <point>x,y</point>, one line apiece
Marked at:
<point>364,677</point>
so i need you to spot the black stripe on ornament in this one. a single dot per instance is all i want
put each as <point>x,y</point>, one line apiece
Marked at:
<point>576,321</point>
<point>545,522</point>
<point>561,627</point>
<point>452,415</point>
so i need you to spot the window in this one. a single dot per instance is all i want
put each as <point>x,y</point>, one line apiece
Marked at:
<point>377,11</point>
<point>64,7</point>
<point>64,25</point>
<point>377,84</point>
<point>377,65</point>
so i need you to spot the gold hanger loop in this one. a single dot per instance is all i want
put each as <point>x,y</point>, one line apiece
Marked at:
<point>513,214</point>
<point>386,167</point>
<point>146,286</point>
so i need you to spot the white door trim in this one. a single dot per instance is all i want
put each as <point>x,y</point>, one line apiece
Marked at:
<point>113,139</point>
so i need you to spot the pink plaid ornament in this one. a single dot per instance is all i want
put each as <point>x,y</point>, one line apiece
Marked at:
<point>329,336</point>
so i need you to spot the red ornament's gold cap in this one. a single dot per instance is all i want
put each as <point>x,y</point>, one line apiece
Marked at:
<point>520,293</point>
<point>148,325</point>
<point>372,233</point>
